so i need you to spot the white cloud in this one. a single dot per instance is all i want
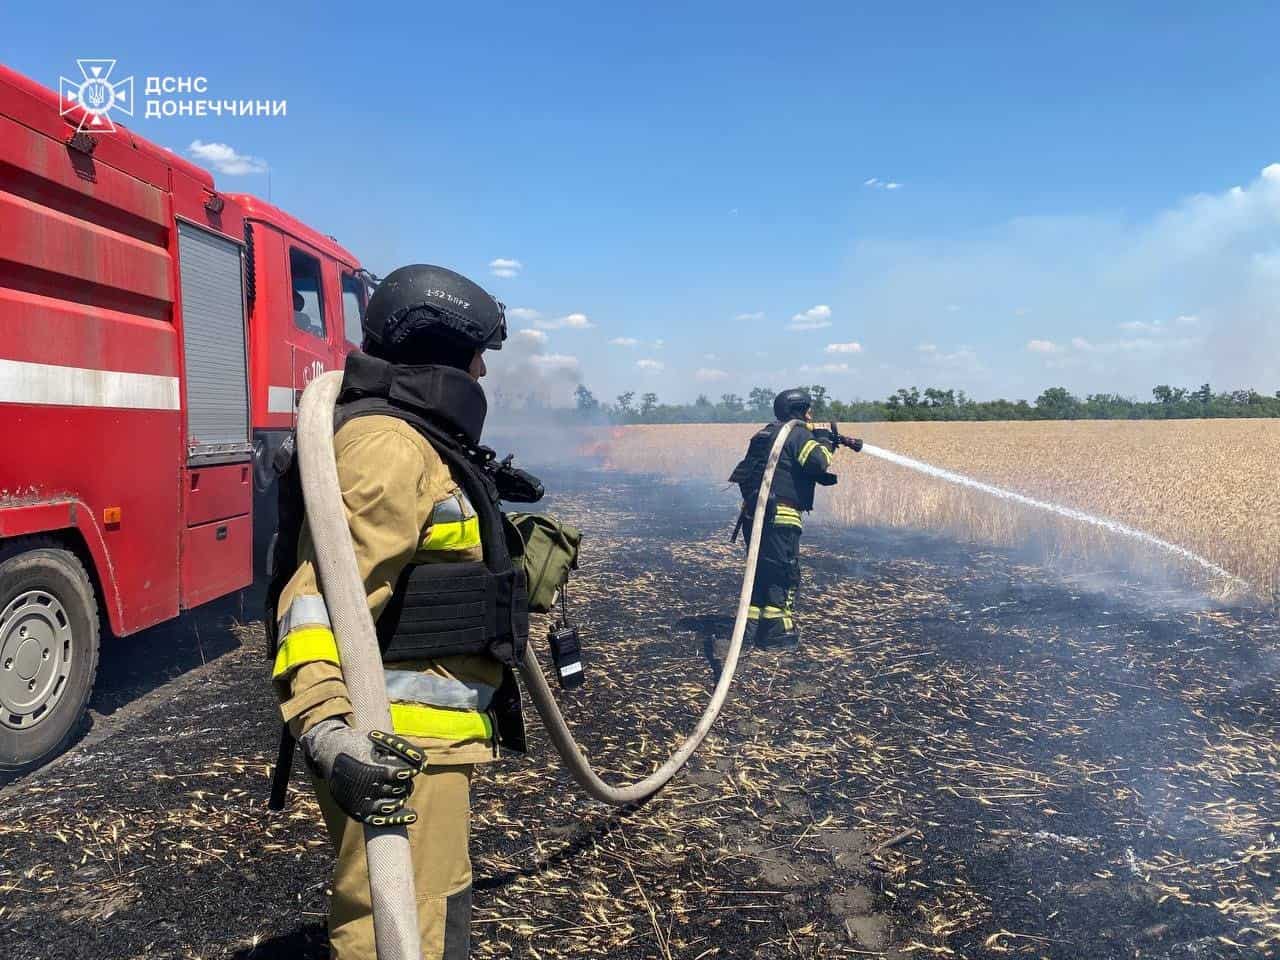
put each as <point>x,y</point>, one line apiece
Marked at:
<point>1135,345</point>
<point>1215,256</point>
<point>1043,346</point>
<point>624,341</point>
<point>875,183</point>
<point>225,159</point>
<point>650,366</point>
<point>746,317</point>
<point>556,361</point>
<point>537,336</point>
<point>1112,346</point>
<point>1157,327</point>
<point>709,374</point>
<point>962,357</point>
<point>523,313</point>
<point>505,267</point>
<point>815,318</point>
<point>659,344</point>
<point>850,347</point>
<point>825,368</point>
<point>572,321</point>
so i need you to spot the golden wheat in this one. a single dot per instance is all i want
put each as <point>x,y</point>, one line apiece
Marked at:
<point>1212,486</point>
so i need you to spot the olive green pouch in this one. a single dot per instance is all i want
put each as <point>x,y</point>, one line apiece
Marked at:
<point>548,550</point>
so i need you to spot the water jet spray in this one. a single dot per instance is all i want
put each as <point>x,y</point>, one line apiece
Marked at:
<point>1071,513</point>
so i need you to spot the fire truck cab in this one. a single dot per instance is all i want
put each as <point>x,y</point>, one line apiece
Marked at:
<point>306,296</point>
<point>154,336</point>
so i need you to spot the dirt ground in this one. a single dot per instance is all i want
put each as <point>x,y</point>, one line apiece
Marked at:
<point>969,756</point>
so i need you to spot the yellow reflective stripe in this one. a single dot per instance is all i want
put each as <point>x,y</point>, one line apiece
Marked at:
<point>786,516</point>
<point>809,447</point>
<point>753,613</point>
<point>460,535</point>
<point>420,720</point>
<point>773,613</point>
<point>307,645</point>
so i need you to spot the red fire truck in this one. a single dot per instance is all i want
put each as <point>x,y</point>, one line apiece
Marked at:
<point>155,334</point>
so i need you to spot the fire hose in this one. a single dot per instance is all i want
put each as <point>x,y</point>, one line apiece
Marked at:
<point>395,908</point>
<point>395,915</point>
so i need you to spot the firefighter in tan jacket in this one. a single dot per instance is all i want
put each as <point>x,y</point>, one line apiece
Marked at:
<point>410,515</point>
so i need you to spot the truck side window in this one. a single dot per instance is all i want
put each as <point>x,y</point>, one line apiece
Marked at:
<point>308,304</point>
<point>352,308</point>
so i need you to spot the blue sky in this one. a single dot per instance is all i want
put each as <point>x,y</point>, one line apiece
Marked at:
<point>698,196</point>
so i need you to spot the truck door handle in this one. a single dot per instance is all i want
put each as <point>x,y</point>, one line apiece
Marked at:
<point>220,533</point>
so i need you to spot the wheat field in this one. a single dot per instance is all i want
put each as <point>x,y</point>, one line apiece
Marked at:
<point>1211,486</point>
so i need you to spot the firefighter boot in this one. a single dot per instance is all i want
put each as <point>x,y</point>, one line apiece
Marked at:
<point>786,637</point>
<point>776,629</point>
<point>790,634</point>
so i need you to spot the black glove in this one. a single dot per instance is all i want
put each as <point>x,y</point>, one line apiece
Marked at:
<point>826,437</point>
<point>369,775</point>
<point>857,445</point>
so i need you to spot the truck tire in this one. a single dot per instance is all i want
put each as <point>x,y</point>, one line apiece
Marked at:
<point>49,635</point>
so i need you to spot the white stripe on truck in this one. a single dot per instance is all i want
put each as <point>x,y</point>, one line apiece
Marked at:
<point>44,383</point>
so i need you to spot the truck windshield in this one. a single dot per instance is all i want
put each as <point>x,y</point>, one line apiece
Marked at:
<point>352,307</point>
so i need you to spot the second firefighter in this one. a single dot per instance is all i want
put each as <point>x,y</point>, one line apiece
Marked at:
<point>804,464</point>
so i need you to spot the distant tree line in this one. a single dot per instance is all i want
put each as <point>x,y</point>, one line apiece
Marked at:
<point>1056,403</point>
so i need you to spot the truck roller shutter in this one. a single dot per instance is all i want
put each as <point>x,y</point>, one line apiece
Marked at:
<point>213,338</point>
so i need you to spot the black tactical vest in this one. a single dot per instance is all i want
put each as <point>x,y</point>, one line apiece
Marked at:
<point>790,485</point>
<point>437,609</point>
<point>441,609</point>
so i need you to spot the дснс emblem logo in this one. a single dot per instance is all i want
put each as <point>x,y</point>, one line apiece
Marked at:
<point>96,95</point>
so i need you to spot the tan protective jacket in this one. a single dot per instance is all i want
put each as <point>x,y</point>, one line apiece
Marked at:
<point>403,506</point>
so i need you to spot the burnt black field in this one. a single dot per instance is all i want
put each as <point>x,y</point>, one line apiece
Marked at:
<point>970,755</point>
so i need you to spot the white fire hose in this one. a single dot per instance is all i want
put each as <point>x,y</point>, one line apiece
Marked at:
<point>395,908</point>
<point>395,915</point>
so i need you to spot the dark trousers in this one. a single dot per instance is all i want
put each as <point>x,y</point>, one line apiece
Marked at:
<point>773,595</point>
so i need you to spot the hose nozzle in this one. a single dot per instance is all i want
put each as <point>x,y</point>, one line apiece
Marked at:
<point>853,443</point>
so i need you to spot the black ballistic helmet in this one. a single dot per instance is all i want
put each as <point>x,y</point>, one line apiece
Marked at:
<point>425,314</point>
<point>792,404</point>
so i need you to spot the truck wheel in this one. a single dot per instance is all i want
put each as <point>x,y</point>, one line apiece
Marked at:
<point>48,650</point>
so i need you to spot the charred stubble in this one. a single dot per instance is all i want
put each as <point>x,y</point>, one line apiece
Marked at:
<point>967,757</point>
